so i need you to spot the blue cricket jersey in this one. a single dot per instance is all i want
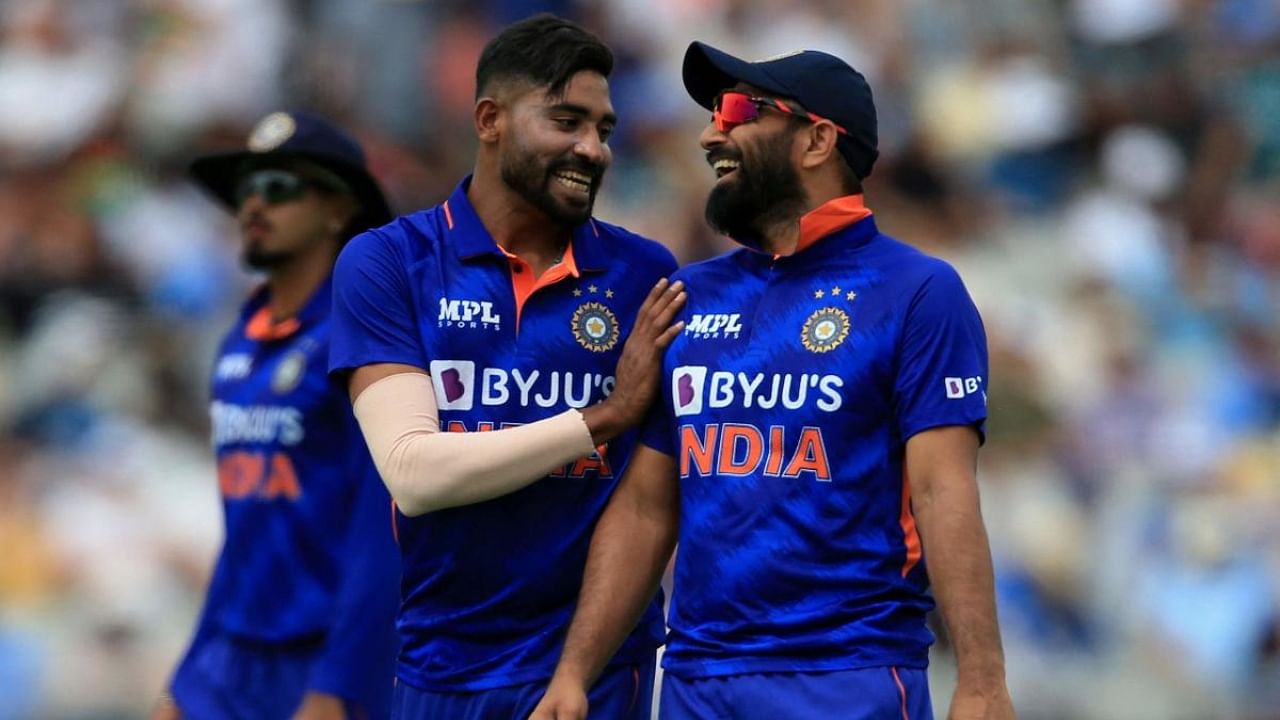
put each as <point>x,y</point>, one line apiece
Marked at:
<point>787,404</point>
<point>489,588</point>
<point>309,556</point>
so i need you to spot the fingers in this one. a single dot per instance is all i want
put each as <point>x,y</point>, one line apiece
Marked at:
<point>664,314</point>
<point>656,317</point>
<point>666,338</point>
<point>654,293</point>
<point>660,297</point>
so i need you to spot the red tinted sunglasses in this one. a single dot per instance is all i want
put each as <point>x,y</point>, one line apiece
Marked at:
<point>733,108</point>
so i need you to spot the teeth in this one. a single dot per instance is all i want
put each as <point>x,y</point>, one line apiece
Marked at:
<point>724,166</point>
<point>574,179</point>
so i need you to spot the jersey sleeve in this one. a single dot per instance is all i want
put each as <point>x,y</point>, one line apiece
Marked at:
<point>658,428</point>
<point>942,364</point>
<point>373,311</point>
<point>358,661</point>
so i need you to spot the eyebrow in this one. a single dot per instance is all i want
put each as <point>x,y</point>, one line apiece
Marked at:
<point>576,109</point>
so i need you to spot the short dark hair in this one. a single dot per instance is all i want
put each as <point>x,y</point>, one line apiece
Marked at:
<point>544,50</point>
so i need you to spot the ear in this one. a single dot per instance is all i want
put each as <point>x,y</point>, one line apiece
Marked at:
<point>345,210</point>
<point>488,116</point>
<point>819,144</point>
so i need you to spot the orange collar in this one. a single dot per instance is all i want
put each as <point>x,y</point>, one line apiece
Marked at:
<point>525,284</point>
<point>262,328</point>
<point>830,217</point>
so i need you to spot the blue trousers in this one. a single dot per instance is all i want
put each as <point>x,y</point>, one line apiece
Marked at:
<point>623,692</point>
<point>878,693</point>
<point>223,678</point>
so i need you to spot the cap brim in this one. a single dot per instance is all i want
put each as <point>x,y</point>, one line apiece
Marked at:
<point>708,71</point>
<point>217,174</point>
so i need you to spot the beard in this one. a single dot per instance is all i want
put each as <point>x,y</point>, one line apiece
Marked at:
<point>532,180</point>
<point>764,190</point>
<point>258,259</point>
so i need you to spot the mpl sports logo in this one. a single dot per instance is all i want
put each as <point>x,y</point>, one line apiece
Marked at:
<point>234,366</point>
<point>460,385</point>
<point>694,389</point>
<point>468,314</point>
<point>714,325</point>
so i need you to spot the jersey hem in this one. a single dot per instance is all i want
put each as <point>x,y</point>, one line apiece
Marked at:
<point>495,681</point>
<point>694,669</point>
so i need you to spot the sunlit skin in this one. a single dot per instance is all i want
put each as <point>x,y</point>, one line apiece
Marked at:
<point>541,161</point>
<point>758,186</point>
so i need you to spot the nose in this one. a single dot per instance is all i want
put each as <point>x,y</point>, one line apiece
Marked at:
<point>591,148</point>
<point>250,205</point>
<point>711,137</point>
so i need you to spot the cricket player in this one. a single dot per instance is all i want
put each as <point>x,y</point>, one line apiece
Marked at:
<point>299,618</point>
<point>497,348</point>
<point>815,440</point>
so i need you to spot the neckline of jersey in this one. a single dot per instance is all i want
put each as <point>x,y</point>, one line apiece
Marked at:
<point>260,326</point>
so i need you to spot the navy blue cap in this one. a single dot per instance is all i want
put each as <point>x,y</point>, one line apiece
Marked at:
<point>305,136</point>
<point>824,84</point>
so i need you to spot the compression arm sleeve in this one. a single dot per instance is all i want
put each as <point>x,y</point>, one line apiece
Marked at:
<point>426,470</point>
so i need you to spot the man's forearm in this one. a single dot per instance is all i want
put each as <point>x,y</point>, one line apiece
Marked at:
<point>426,469</point>
<point>629,552</point>
<point>959,562</point>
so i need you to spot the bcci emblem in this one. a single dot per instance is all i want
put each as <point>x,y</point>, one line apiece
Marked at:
<point>271,132</point>
<point>825,330</point>
<point>595,327</point>
<point>289,372</point>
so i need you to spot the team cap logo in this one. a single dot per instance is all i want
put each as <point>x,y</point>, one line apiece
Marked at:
<point>272,131</point>
<point>595,327</point>
<point>825,330</point>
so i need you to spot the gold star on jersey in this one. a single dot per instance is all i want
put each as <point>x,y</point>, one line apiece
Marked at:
<point>825,329</point>
<point>595,327</point>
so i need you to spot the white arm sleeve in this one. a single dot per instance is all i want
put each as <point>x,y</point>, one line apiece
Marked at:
<point>426,470</point>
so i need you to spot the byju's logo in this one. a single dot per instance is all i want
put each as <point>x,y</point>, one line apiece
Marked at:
<point>958,387</point>
<point>468,314</point>
<point>455,382</point>
<point>686,389</point>
<point>714,325</point>
<point>692,387</point>
<point>460,385</point>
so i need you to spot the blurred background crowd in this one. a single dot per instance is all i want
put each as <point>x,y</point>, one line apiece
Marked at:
<point>1104,173</point>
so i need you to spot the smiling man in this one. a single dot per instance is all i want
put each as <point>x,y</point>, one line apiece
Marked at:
<point>815,441</point>
<point>497,349</point>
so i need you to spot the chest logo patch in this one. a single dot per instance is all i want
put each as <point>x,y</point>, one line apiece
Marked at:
<point>289,372</point>
<point>825,330</point>
<point>595,327</point>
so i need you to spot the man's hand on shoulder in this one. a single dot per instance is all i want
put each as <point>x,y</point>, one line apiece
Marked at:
<point>637,376</point>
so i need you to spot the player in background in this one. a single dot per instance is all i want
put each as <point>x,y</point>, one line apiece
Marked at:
<point>479,340</point>
<point>299,618</point>
<point>815,441</point>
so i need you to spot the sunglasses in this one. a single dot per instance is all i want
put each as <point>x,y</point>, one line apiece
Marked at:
<point>276,186</point>
<point>733,108</point>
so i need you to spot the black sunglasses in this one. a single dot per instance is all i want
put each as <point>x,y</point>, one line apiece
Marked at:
<point>275,186</point>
